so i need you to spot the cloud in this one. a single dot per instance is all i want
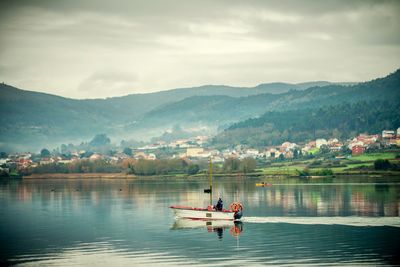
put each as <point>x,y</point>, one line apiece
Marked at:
<point>74,48</point>
<point>108,82</point>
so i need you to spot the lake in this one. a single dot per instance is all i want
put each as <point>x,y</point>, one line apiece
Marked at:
<point>102,222</point>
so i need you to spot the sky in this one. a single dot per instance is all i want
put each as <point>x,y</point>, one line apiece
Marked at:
<point>97,48</point>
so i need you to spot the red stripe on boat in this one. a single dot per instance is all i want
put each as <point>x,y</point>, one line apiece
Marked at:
<point>199,209</point>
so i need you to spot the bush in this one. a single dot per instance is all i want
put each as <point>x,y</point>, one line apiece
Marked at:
<point>382,164</point>
<point>304,172</point>
<point>315,163</point>
<point>325,172</point>
<point>193,169</point>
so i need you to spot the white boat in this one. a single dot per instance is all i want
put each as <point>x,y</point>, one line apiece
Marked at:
<point>235,211</point>
<point>205,213</point>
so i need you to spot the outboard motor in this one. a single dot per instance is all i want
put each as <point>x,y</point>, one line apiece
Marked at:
<point>238,215</point>
<point>237,208</point>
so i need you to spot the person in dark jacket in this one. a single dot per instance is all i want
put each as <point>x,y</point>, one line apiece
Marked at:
<point>219,205</point>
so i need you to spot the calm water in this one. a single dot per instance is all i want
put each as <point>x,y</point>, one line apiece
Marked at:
<point>128,222</point>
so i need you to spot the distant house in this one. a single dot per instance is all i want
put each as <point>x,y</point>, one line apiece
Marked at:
<point>289,154</point>
<point>95,157</point>
<point>333,141</point>
<point>140,155</point>
<point>205,154</point>
<point>218,159</point>
<point>354,143</point>
<point>357,150</point>
<point>311,144</point>
<point>46,161</point>
<point>336,147</point>
<point>271,153</point>
<point>24,163</point>
<point>253,153</point>
<point>194,151</point>
<point>388,134</point>
<point>200,140</point>
<point>286,146</point>
<point>230,154</point>
<point>320,142</point>
<point>151,156</point>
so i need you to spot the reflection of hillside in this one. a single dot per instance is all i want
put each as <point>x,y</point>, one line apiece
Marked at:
<point>300,199</point>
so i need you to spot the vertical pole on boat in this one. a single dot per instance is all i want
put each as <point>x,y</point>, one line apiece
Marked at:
<point>210,180</point>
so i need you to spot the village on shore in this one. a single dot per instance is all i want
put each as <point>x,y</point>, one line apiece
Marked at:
<point>197,149</point>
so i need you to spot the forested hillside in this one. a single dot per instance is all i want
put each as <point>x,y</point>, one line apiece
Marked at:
<point>30,120</point>
<point>223,110</point>
<point>339,121</point>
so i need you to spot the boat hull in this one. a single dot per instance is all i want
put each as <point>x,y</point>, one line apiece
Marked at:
<point>263,184</point>
<point>182,223</point>
<point>202,214</point>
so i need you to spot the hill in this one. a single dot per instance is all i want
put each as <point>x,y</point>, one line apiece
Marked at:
<point>340,121</point>
<point>221,111</point>
<point>33,120</point>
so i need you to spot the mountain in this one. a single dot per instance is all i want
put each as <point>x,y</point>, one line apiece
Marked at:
<point>278,88</point>
<point>222,111</point>
<point>340,121</point>
<point>31,120</point>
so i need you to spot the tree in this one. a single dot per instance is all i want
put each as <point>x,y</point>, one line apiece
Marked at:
<point>304,172</point>
<point>3,155</point>
<point>324,149</point>
<point>128,151</point>
<point>382,164</point>
<point>345,150</point>
<point>100,140</point>
<point>193,169</point>
<point>231,165</point>
<point>45,153</point>
<point>248,165</point>
<point>64,149</point>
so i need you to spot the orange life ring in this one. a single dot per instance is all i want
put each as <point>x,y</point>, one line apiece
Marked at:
<point>235,231</point>
<point>236,206</point>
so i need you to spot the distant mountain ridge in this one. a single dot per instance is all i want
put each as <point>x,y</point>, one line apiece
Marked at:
<point>225,110</point>
<point>33,120</point>
<point>341,121</point>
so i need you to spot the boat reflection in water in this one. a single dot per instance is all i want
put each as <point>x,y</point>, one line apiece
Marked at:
<point>217,226</point>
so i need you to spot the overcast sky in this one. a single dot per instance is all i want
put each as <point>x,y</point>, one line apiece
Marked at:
<point>91,49</point>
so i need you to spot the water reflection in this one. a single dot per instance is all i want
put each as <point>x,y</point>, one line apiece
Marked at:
<point>307,199</point>
<point>102,222</point>
<point>217,226</point>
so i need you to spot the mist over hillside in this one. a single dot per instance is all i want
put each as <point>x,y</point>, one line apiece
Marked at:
<point>32,120</point>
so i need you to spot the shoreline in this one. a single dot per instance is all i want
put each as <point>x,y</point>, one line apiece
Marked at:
<point>185,176</point>
<point>79,176</point>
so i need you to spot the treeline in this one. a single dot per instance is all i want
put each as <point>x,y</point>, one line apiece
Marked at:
<point>339,121</point>
<point>246,165</point>
<point>180,166</point>
<point>81,166</point>
<point>144,167</point>
<point>160,167</point>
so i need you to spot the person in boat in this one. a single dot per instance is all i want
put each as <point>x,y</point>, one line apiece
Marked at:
<point>219,205</point>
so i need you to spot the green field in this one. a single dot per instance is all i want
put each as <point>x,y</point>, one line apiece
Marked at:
<point>347,165</point>
<point>374,156</point>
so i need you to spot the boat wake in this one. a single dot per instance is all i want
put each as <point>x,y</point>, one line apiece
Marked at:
<point>349,221</point>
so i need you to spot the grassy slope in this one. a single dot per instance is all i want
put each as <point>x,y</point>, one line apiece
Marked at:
<point>289,168</point>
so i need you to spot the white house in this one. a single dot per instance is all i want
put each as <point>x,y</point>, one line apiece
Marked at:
<point>320,142</point>
<point>388,134</point>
